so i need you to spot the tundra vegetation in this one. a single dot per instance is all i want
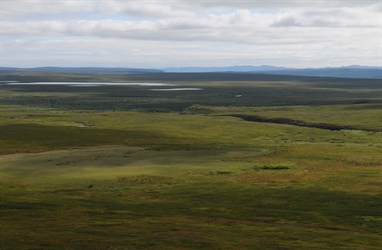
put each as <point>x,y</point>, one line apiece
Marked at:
<point>124,167</point>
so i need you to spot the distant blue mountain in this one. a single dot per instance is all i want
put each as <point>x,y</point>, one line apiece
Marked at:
<point>361,67</point>
<point>245,68</point>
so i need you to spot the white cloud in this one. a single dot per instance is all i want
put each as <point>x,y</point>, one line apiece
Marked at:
<point>167,8</point>
<point>210,32</point>
<point>240,26</point>
<point>144,9</point>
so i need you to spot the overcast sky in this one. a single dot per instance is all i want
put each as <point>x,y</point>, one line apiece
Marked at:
<point>177,33</point>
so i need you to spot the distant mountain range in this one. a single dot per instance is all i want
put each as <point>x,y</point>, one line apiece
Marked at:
<point>246,68</point>
<point>353,71</point>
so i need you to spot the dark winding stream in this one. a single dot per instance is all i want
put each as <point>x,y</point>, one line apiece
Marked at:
<point>287,121</point>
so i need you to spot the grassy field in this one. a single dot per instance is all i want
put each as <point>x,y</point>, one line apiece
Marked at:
<point>127,168</point>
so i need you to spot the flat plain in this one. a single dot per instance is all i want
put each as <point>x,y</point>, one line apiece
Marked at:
<point>131,167</point>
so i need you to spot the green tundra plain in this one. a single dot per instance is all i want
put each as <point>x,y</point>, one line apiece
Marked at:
<point>146,167</point>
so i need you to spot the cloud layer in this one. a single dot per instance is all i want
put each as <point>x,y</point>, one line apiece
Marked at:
<point>207,33</point>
